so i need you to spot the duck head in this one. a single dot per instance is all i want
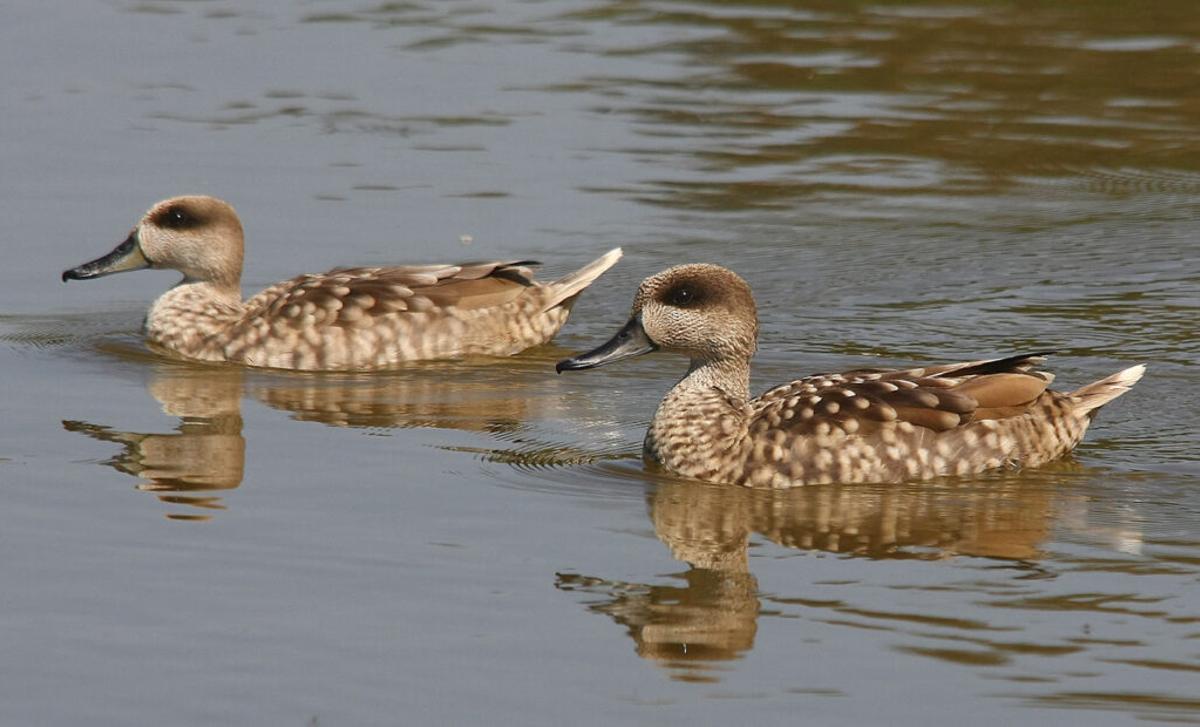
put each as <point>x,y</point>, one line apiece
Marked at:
<point>704,312</point>
<point>199,236</point>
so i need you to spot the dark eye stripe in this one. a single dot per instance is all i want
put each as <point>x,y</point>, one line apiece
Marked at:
<point>177,218</point>
<point>686,294</point>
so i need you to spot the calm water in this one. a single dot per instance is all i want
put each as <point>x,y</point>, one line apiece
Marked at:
<point>478,542</point>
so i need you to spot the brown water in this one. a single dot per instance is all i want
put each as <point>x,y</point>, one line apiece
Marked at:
<point>478,542</point>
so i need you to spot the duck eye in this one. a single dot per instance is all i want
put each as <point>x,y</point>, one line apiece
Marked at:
<point>682,296</point>
<point>176,218</point>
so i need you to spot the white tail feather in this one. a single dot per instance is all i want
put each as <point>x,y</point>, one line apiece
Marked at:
<point>1098,393</point>
<point>572,284</point>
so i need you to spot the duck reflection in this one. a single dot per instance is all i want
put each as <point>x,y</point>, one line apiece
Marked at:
<point>206,452</point>
<point>709,613</point>
<point>400,400</point>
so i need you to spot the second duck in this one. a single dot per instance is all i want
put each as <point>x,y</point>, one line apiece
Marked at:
<point>345,319</point>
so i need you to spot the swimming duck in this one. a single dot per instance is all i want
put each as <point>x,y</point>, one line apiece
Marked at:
<point>345,319</point>
<point>869,425</point>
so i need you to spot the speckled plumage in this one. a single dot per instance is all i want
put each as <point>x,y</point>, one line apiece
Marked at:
<point>859,426</point>
<point>346,319</point>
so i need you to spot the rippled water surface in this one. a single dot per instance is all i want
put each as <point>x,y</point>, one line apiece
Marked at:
<point>479,542</point>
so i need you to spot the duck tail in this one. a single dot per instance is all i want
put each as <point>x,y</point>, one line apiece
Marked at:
<point>572,284</point>
<point>1087,399</point>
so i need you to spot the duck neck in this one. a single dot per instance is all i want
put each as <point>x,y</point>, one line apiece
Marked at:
<point>187,317</point>
<point>730,375</point>
<point>707,409</point>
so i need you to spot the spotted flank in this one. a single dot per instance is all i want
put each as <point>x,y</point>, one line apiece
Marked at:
<point>346,319</point>
<point>870,425</point>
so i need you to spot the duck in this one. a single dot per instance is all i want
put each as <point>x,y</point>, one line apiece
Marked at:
<point>347,319</point>
<point>862,426</point>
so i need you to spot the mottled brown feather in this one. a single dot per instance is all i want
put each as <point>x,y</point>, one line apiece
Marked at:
<point>999,412</point>
<point>938,398</point>
<point>938,421</point>
<point>474,293</point>
<point>1002,390</point>
<point>354,296</point>
<point>955,402</point>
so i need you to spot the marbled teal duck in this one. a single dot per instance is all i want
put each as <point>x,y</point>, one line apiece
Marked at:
<point>869,425</point>
<point>345,319</point>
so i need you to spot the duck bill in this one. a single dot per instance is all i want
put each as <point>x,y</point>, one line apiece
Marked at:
<point>630,341</point>
<point>127,256</point>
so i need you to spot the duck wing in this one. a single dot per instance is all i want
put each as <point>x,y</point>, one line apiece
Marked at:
<point>937,398</point>
<point>354,297</point>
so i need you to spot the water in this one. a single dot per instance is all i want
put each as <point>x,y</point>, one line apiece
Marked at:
<point>478,541</point>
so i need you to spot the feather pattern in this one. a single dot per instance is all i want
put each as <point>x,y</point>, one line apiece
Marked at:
<point>356,318</point>
<point>865,425</point>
